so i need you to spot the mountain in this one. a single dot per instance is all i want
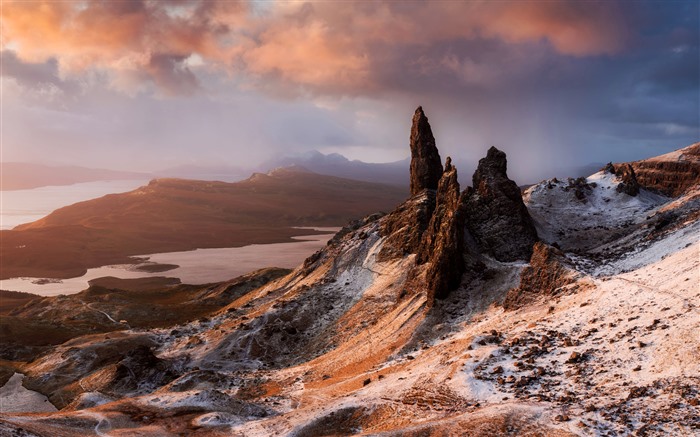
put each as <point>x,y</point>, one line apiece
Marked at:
<point>174,215</point>
<point>222,173</point>
<point>569,310</point>
<point>392,173</point>
<point>23,175</point>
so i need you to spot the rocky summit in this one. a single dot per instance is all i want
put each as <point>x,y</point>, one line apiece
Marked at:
<point>426,166</point>
<point>496,215</point>
<point>570,309</point>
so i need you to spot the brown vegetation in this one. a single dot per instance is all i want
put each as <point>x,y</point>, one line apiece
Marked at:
<point>173,215</point>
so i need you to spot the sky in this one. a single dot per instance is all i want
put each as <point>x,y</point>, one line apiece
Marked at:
<point>145,85</point>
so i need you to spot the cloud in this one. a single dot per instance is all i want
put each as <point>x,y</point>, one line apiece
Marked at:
<point>567,80</point>
<point>129,41</point>
<point>322,47</point>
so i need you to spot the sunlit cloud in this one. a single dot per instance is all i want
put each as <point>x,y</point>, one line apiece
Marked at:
<point>324,47</point>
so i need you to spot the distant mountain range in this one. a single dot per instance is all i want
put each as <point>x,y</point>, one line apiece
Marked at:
<point>20,175</point>
<point>335,164</point>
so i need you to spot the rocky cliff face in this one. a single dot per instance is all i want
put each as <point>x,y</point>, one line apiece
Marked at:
<point>671,174</point>
<point>443,242</point>
<point>547,273</point>
<point>426,166</point>
<point>495,213</point>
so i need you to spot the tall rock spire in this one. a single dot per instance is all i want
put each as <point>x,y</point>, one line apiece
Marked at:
<point>426,166</point>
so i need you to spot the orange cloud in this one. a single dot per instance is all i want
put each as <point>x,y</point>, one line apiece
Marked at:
<point>325,47</point>
<point>573,28</point>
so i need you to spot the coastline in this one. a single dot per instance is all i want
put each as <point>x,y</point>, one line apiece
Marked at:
<point>188,266</point>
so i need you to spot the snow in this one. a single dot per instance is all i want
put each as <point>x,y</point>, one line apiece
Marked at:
<point>657,250</point>
<point>559,215</point>
<point>676,155</point>
<point>216,419</point>
<point>14,398</point>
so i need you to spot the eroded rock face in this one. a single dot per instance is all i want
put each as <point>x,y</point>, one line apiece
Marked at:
<point>495,213</point>
<point>672,174</point>
<point>628,184</point>
<point>404,226</point>
<point>426,166</point>
<point>546,273</point>
<point>443,242</point>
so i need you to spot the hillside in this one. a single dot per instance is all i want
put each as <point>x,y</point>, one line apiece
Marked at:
<point>173,215</point>
<point>569,311</point>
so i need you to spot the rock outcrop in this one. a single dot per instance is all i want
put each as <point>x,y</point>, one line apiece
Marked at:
<point>671,174</point>
<point>495,213</point>
<point>434,224</point>
<point>404,227</point>
<point>628,180</point>
<point>548,271</point>
<point>426,165</point>
<point>443,242</point>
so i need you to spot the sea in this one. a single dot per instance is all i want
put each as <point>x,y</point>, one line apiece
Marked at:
<point>24,206</point>
<point>198,266</point>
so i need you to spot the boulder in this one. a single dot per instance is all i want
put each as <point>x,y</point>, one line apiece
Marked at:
<point>548,271</point>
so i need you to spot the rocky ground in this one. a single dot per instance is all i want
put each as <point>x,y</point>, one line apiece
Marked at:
<point>572,310</point>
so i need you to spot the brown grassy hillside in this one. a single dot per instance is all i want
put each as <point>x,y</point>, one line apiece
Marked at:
<point>173,215</point>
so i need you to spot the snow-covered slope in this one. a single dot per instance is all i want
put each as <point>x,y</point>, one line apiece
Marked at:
<point>595,219</point>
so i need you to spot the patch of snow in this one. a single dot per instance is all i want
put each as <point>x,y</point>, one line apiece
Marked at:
<point>656,251</point>
<point>216,419</point>
<point>14,398</point>
<point>560,216</point>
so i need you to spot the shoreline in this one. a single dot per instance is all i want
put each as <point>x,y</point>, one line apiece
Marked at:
<point>221,263</point>
<point>132,258</point>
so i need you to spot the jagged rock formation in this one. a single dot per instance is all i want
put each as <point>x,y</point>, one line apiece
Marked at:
<point>405,226</point>
<point>443,242</point>
<point>432,224</point>
<point>580,187</point>
<point>628,184</point>
<point>548,272</point>
<point>496,215</point>
<point>426,165</point>
<point>671,174</point>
